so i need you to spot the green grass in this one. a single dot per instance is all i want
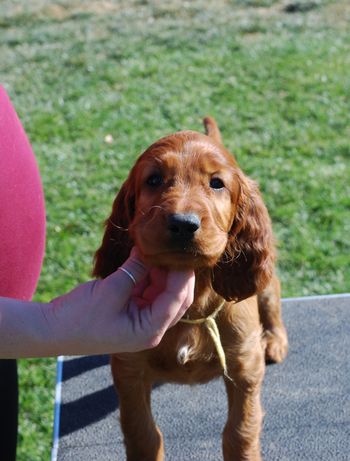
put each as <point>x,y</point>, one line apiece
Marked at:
<point>277,83</point>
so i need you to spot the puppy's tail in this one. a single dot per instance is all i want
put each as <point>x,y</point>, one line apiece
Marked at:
<point>211,129</point>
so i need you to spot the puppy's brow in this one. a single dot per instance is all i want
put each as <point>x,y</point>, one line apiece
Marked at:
<point>195,146</point>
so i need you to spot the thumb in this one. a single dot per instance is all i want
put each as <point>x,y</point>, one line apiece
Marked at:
<point>172,303</point>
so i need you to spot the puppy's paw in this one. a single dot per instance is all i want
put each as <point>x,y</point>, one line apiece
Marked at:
<point>276,344</point>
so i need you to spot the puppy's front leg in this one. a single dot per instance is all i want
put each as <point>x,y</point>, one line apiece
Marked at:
<point>143,440</point>
<point>241,436</point>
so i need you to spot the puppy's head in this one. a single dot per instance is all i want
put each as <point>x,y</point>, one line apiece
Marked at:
<point>186,204</point>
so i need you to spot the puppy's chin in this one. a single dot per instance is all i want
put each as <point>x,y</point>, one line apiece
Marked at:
<point>179,261</point>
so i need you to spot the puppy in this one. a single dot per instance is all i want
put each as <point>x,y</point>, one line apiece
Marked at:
<point>187,204</point>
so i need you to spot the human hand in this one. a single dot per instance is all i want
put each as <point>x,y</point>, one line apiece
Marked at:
<point>114,315</point>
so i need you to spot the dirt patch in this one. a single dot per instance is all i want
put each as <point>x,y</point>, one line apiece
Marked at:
<point>300,6</point>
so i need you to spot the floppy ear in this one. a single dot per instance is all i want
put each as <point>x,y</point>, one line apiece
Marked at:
<point>247,264</point>
<point>116,244</point>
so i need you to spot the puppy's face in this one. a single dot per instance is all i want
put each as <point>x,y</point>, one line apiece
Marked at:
<point>186,193</point>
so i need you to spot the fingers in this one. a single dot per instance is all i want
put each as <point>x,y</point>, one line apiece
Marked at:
<point>154,298</point>
<point>187,302</point>
<point>172,303</point>
<point>157,280</point>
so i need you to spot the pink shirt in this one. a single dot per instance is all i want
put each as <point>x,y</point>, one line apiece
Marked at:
<point>22,209</point>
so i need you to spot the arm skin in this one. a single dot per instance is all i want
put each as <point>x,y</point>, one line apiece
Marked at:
<point>98,317</point>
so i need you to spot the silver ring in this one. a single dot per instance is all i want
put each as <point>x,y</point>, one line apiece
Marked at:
<point>129,274</point>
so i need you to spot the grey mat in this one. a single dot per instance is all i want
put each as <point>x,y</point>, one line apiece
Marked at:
<point>306,399</point>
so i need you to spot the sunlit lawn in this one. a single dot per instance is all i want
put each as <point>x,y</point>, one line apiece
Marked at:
<point>277,83</point>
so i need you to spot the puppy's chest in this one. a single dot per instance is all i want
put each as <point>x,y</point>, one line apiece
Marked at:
<point>186,355</point>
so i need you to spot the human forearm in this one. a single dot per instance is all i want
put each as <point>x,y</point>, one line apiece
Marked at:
<point>24,331</point>
<point>98,317</point>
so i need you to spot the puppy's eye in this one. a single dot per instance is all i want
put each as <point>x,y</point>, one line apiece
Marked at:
<point>216,183</point>
<point>154,180</point>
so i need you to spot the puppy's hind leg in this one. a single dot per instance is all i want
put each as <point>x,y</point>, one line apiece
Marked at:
<point>274,331</point>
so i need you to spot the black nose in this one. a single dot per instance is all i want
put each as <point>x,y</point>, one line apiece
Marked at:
<point>183,225</point>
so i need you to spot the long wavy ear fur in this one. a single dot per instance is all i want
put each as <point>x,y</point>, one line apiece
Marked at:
<point>247,264</point>
<point>116,243</point>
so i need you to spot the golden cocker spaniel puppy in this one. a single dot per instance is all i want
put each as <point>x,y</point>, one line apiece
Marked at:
<point>187,204</point>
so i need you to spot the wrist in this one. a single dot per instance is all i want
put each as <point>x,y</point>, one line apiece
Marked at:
<point>42,340</point>
<point>60,330</point>
<point>48,332</point>
<point>24,329</point>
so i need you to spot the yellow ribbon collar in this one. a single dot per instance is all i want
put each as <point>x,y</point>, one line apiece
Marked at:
<point>213,330</point>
